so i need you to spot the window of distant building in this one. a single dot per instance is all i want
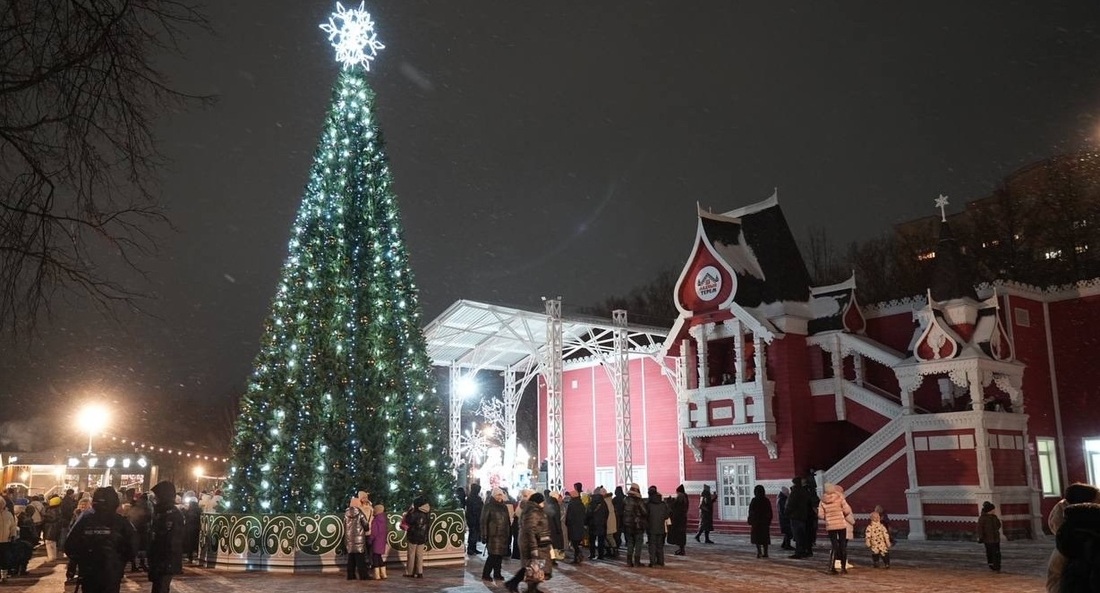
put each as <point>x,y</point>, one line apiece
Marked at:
<point>1081,248</point>
<point>1023,318</point>
<point>1048,466</point>
<point>926,256</point>
<point>1053,254</point>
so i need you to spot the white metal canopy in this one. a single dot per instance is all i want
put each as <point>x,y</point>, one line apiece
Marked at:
<point>469,337</point>
<point>482,336</point>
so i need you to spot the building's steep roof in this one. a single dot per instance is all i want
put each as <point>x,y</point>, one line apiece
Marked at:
<point>758,245</point>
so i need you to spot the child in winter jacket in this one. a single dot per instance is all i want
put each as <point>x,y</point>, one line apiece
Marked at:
<point>989,533</point>
<point>878,541</point>
<point>379,541</point>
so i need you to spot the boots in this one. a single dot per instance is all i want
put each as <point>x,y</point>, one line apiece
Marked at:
<point>383,569</point>
<point>377,574</point>
<point>765,550</point>
<point>759,553</point>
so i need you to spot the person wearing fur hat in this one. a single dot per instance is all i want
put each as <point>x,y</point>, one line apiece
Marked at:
<point>418,521</point>
<point>834,510</point>
<point>635,522</point>
<point>1079,542</point>
<point>356,531</point>
<point>166,533</point>
<point>496,534</point>
<point>101,542</point>
<point>534,545</point>
<point>989,534</point>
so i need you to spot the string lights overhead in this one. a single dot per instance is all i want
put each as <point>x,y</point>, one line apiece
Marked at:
<point>155,448</point>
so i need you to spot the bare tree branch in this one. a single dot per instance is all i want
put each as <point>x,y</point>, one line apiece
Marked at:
<point>78,161</point>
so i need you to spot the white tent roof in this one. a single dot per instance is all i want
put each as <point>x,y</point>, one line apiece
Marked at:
<point>493,337</point>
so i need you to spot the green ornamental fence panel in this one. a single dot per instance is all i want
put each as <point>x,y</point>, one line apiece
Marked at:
<point>313,543</point>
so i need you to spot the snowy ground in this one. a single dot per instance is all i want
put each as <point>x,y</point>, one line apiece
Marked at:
<point>729,565</point>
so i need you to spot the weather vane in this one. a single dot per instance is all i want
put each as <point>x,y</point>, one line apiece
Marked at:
<point>941,203</point>
<point>351,32</point>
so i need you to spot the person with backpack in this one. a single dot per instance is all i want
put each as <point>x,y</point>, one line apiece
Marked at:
<point>101,542</point>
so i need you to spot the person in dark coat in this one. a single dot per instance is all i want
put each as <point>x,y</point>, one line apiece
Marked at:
<point>1078,541</point>
<point>473,508</point>
<point>140,515</point>
<point>812,523</point>
<point>534,545</point>
<point>760,519</point>
<point>166,538</point>
<point>192,514</point>
<point>656,516</point>
<point>496,534</point>
<point>706,514</point>
<point>575,516</point>
<point>784,520</point>
<point>617,502</point>
<point>597,525</point>
<point>553,514</point>
<point>678,512</point>
<point>634,525</point>
<point>101,543</point>
<point>989,534</point>
<point>798,510</point>
<point>419,522</point>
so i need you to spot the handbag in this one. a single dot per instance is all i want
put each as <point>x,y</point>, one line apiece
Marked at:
<point>535,572</point>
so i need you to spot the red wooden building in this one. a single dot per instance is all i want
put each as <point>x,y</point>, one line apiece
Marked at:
<point>928,405</point>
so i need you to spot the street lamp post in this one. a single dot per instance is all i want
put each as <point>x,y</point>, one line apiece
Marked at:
<point>92,419</point>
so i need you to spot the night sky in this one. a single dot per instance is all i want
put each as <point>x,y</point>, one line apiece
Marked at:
<point>552,148</point>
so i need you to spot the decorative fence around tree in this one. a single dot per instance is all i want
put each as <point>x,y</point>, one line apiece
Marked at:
<point>313,543</point>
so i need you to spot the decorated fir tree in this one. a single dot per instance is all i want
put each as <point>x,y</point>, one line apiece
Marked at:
<point>342,397</point>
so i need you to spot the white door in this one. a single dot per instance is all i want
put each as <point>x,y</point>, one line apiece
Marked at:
<point>605,476</point>
<point>736,478</point>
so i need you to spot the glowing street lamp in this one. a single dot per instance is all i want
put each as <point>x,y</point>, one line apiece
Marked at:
<point>92,419</point>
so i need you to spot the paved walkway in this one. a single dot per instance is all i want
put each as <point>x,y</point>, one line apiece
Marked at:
<point>729,565</point>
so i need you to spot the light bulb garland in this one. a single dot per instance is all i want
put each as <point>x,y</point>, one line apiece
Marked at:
<point>170,450</point>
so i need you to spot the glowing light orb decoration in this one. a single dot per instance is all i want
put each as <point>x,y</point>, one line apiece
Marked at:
<point>351,33</point>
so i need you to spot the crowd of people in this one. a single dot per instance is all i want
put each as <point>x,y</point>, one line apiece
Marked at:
<point>98,533</point>
<point>575,526</point>
<point>543,528</point>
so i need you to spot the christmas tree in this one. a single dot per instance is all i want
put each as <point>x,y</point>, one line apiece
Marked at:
<point>342,397</point>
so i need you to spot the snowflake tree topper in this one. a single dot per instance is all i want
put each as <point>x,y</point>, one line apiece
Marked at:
<point>351,32</point>
<point>941,203</point>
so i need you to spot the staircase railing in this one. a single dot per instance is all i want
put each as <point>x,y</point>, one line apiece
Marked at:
<point>866,450</point>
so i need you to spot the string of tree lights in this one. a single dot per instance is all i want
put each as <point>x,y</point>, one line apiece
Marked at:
<point>342,396</point>
<point>155,448</point>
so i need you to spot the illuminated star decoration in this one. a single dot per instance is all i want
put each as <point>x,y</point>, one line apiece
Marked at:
<point>351,33</point>
<point>941,203</point>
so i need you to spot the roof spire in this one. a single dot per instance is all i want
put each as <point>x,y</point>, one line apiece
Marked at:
<point>951,278</point>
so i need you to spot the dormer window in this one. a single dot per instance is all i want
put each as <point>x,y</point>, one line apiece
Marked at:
<point>1053,254</point>
<point>926,256</point>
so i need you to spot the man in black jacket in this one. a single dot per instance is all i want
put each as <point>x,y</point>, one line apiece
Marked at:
<point>798,509</point>
<point>101,543</point>
<point>473,507</point>
<point>166,538</point>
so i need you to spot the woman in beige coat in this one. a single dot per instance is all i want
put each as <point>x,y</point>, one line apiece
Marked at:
<point>834,510</point>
